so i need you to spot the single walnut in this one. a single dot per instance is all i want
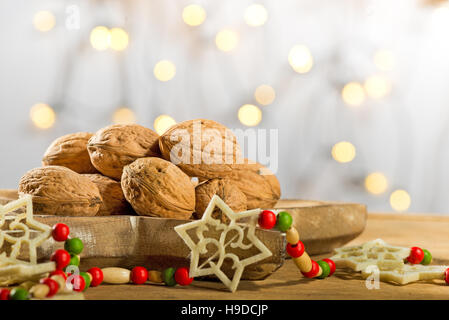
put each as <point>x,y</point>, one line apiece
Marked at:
<point>116,146</point>
<point>60,191</point>
<point>223,188</point>
<point>114,202</point>
<point>70,151</point>
<point>156,187</point>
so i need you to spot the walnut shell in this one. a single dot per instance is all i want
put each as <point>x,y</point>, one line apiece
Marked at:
<point>70,151</point>
<point>198,146</point>
<point>60,191</point>
<point>116,146</point>
<point>223,188</point>
<point>114,202</point>
<point>156,187</point>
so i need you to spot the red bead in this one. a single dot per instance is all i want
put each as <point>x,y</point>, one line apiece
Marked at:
<point>4,294</point>
<point>295,250</point>
<point>267,219</point>
<point>52,285</point>
<point>59,273</point>
<point>331,264</point>
<point>313,272</point>
<point>416,255</point>
<point>97,276</point>
<point>60,232</point>
<point>139,275</point>
<point>61,257</point>
<point>446,275</point>
<point>78,283</point>
<point>182,277</point>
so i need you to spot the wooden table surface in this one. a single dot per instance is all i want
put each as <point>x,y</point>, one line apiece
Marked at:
<point>430,232</point>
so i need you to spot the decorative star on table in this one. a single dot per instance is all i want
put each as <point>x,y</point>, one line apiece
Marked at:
<point>210,267</point>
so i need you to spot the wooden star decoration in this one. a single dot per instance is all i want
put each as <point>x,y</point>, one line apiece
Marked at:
<point>210,267</point>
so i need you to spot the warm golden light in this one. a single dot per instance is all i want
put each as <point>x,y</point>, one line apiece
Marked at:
<point>100,38</point>
<point>42,115</point>
<point>343,152</point>
<point>250,115</point>
<point>193,15</point>
<point>376,183</point>
<point>353,94</point>
<point>119,39</point>
<point>300,59</point>
<point>264,94</point>
<point>400,200</point>
<point>164,70</point>
<point>163,123</point>
<point>124,116</point>
<point>377,86</point>
<point>384,60</point>
<point>44,21</point>
<point>226,40</point>
<point>256,15</point>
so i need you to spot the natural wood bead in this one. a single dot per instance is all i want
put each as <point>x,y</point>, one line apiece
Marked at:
<point>27,285</point>
<point>60,280</point>
<point>116,275</point>
<point>304,263</point>
<point>292,235</point>
<point>319,272</point>
<point>40,291</point>
<point>155,276</point>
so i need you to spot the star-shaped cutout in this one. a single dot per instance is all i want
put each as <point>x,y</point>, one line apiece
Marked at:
<point>200,247</point>
<point>16,225</point>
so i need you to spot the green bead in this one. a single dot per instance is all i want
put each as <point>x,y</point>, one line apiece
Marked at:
<point>19,294</point>
<point>74,245</point>
<point>427,257</point>
<point>284,221</point>
<point>169,277</point>
<point>86,279</point>
<point>325,268</point>
<point>74,260</point>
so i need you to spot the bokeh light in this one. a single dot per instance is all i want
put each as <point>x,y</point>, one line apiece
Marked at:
<point>164,70</point>
<point>376,183</point>
<point>384,60</point>
<point>118,39</point>
<point>343,152</point>
<point>353,94</point>
<point>42,115</point>
<point>264,94</point>
<point>100,38</point>
<point>250,115</point>
<point>300,59</point>
<point>124,116</point>
<point>163,123</point>
<point>44,21</point>
<point>226,40</point>
<point>400,200</point>
<point>256,15</point>
<point>377,86</point>
<point>193,15</point>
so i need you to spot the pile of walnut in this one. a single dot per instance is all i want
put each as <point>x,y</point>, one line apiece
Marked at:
<point>123,169</point>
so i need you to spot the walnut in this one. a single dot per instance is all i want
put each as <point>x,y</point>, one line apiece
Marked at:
<point>60,191</point>
<point>70,151</point>
<point>116,146</point>
<point>156,187</point>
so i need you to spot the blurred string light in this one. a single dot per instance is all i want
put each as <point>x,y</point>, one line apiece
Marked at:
<point>343,152</point>
<point>163,123</point>
<point>250,115</point>
<point>300,59</point>
<point>256,15</point>
<point>101,38</point>
<point>164,70</point>
<point>44,21</point>
<point>124,116</point>
<point>353,94</point>
<point>226,40</point>
<point>377,86</point>
<point>384,60</point>
<point>193,15</point>
<point>119,39</point>
<point>42,115</point>
<point>264,94</point>
<point>376,183</point>
<point>400,200</point>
